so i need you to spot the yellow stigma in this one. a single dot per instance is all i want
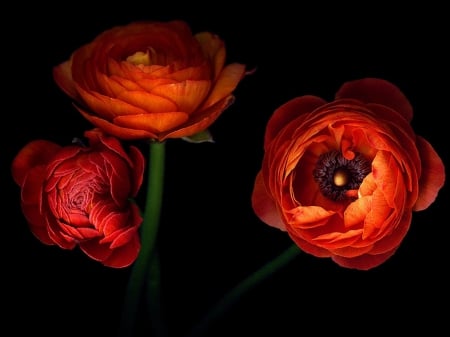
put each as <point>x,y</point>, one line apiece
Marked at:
<point>340,177</point>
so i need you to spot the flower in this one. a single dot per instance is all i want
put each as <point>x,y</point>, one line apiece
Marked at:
<point>150,80</point>
<point>343,178</point>
<point>79,195</point>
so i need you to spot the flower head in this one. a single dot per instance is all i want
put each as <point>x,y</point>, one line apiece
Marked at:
<point>343,178</point>
<point>79,196</point>
<point>150,80</point>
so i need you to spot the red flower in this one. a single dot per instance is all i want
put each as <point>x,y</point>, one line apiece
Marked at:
<point>78,195</point>
<point>152,80</point>
<point>343,178</point>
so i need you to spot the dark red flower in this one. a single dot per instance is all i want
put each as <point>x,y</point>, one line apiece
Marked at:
<point>79,196</point>
<point>343,178</point>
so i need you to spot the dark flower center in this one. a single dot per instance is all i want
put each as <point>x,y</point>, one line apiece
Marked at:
<point>337,175</point>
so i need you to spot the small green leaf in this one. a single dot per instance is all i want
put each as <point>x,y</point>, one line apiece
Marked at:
<point>200,137</point>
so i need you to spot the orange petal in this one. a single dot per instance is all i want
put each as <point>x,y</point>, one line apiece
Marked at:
<point>200,122</point>
<point>153,122</point>
<point>214,49</point>
<point>228,79</point>
<point>149,102</point>
<point>114,85</point>
<point>108,107</point>
<point>307,215</point>
<point>388,178</point>
<point>356,212</point>
<point>374,90</point>
<point>187,95</point>
<point>264,206</point>
<point>62,75</point>
<point>368,185</point>
<point>393,239</point>
<point>148,84</point>
<point>191,73</point>
<point>432,177</point>
<point>115,130</point>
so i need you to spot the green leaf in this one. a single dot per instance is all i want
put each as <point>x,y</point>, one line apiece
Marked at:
<point>200,137</point>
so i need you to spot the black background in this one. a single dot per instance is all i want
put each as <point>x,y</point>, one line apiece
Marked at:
<point>210,238</point>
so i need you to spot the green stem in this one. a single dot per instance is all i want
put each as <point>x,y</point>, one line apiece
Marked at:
<point>146,264</point>
<point>233,295</point>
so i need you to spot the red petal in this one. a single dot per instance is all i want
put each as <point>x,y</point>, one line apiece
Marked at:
<point>38,152</point>
<point>124,255</point>
<point>289,111</point>
<point>116,258</point>
<point>363,262</point>
<point>374,90</point>
<point>137,169</point>
<point>432,177</point>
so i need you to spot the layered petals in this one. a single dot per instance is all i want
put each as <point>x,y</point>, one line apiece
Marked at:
<point>80,196</point>
<point>343,178</point>
<point>150,80</point>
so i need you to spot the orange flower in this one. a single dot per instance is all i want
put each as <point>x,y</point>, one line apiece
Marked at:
<point>150,80</point>
<point>79,196</point>
<point>343,178</point>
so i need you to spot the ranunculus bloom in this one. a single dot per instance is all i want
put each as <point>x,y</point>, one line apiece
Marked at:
<point>343,178</point>
<point>150,80</point>
<point>79,195</point>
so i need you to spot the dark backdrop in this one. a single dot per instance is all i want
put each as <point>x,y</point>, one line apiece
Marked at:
<point>210,238</point>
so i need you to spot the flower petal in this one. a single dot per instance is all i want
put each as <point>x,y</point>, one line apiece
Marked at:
<point>264,206</point>
<point>62,74</point>
<point>150,102</point>
<point>115,130</point>
<point>199,122</point>
<point>214,48</point>
<point>289,111</point>
<point>363,262</point>
<point>153,122</point>
<point>187,94</point>
<point>37,152</point>
<point>433,175</point>
<point>228,79</point>
<point>374,90</point>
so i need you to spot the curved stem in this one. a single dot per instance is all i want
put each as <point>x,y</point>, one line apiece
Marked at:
<point>233,295</point>
<point>146,264</point>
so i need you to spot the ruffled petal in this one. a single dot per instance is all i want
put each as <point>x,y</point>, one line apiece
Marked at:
<point>153,122</point>
<point>199,122</point>
<point>375,90</point>
<point>288,112</point>
<point>264,206</point>
<point>62,75</point>
<point>363,262</point>
<point>115,130</point>
<point>37,152</point>
<point>433,175</point>
<point>228,80</point>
